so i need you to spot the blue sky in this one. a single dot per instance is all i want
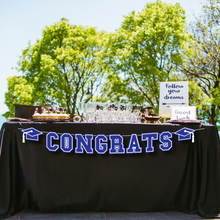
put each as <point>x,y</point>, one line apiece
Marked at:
<point>22,21</point>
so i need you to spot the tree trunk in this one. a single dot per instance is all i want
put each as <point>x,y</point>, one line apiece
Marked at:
<point>212,116</point>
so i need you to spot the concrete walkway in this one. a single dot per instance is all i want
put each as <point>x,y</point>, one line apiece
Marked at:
<point>32,215</point>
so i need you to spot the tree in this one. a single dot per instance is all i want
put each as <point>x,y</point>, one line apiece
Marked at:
<point>145,51</point>
<point>19,91</point>
<point>68,61</point>
<point>202,64</point>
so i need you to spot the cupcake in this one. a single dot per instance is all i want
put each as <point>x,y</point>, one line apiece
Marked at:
<point>50,115</point>
<point>44,114</point>
<point>36,115</point>
<point>63,114</point>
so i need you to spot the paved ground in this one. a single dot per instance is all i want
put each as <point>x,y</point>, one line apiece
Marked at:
<point>32,215</point>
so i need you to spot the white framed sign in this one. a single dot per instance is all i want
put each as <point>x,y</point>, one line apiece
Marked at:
<point>173,94</point>
<point>183,113</point>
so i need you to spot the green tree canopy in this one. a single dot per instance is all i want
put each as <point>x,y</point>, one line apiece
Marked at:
<point>145,51</point>
<point>203,58</point>
<point>19,91</point>
<point>64,64</point>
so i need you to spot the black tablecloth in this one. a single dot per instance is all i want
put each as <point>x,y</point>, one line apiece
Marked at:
<point>186,177</point>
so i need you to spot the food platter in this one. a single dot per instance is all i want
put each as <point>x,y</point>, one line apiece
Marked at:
<point>49,120</point>
<point>17,119</point>
<point>152,119</point>
<point>185,121</point>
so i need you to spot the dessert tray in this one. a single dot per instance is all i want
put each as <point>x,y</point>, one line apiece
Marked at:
<point>185,121</point>
<point>152,119</point>
<point>49,120</point>
<point>17,119</point>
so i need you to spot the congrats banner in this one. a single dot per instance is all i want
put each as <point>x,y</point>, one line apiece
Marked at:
<point>88,143</point>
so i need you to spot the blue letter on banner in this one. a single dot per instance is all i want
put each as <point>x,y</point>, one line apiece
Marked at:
<point>85,143</point>
<point>66,142</point>
<point>101,148</point>
<point>166,142</point>
<point>116,143</point>
<point>49,137</point>
<point>149,137</point>
<point>134,146</point>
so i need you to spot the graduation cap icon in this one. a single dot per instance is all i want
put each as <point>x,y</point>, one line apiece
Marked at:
<point>32,134</point>
<point>185,134</point>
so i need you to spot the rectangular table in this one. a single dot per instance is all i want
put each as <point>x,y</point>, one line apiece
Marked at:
<point>67,167</point>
